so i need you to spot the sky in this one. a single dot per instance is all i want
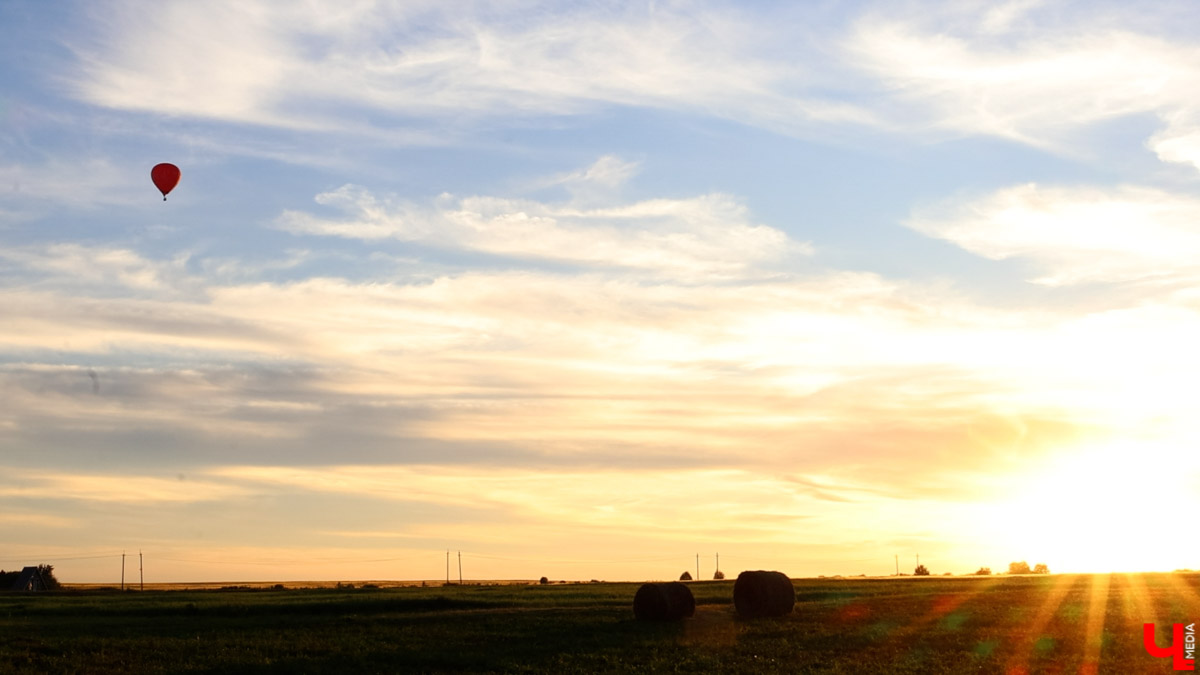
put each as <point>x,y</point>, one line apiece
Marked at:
<point>598,290</point>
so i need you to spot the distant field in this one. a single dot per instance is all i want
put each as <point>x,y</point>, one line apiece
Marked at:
<point>1034,624</point>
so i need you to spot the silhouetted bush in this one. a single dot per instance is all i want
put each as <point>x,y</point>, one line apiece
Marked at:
<point>686,576</point>
<point>718,574</point>
<point>1019,568</point>
<point>543,581</point>
<point>47,572</point>
<point>921,571</point>
<point>1041,568</point>
<point>983,572</point>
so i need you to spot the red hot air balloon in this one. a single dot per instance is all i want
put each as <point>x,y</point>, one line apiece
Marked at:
<point>165,177</point>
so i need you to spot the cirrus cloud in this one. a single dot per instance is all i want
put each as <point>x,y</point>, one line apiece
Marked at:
<point>710,235</point>
<point>1077,235</point>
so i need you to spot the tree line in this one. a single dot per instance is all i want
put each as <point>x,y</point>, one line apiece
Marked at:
<point>7,579</point>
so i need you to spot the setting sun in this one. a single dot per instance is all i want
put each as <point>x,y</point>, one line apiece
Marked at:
<point>1120,507</point>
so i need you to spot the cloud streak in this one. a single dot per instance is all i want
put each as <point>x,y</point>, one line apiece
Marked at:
<point>703,236</point>
<point>124,488</point>
<point>1077,235</point>
<point>1032,81</point>
<point>545,369</point>
<point>257,62</point>
<point>399,72</point>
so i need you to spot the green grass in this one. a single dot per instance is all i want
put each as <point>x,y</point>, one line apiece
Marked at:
<point>926,626</point>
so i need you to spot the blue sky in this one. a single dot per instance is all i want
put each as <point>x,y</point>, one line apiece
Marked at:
<point>583,290</point>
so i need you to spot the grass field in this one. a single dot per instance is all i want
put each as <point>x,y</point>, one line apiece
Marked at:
<point>1033,624</point>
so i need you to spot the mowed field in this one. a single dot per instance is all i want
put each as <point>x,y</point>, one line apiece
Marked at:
<point>1027,624</point>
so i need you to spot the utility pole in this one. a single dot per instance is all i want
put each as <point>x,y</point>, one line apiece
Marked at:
<point>141,575</point>
<point>897,564</point>
<point>718,566</point>
<point>460,568</point>
<point>122,570</point>
<point>697,567</point>
<point>918,560</point>
<point>447,567</point>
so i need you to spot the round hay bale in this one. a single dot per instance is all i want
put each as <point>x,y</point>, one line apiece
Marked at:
<point>663,601</point>
<point>761,593</point>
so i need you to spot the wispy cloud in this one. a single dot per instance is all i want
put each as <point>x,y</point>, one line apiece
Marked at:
<point>672,330</point>
<point>1022,70</point>
<point>36,519</point>
<point>100,270</point>
<point>254,62</point>
<point>227,62</point>
<point>597,183</point>
<point>662,502</point>
<point>1077,235</point>
<point>30,189</point>
<point>711,235</point>
<point>549,369</point>
<point>122,488</point>
<point>1043,83</point>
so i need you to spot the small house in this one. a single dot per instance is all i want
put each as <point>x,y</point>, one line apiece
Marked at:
<point>30,579</point>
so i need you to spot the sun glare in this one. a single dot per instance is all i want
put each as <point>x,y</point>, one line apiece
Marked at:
<point>1117,508</point>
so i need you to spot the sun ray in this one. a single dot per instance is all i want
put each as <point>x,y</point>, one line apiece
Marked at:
<point>1181,588</point>
<point>1138,595</point>
<point>1097,611</point>
<point>1027,639</point>
<point>942,606</point>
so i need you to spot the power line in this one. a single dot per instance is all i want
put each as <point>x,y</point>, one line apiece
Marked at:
<point>305,561</point>
<point>577,560</point>
<point>49,558</point>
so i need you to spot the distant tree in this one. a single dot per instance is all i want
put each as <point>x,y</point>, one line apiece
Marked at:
<point>1019,568</point>
<point>921,571</point>
<point>543,581</point>
<point>686,576</point>
<point>718,574</point>
<point>47,572</point>
<point>1041,568</point>
<point>983,572</point>
<point>7,579</point>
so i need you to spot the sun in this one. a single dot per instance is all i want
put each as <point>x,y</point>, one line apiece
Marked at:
<point>1121,507</point>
